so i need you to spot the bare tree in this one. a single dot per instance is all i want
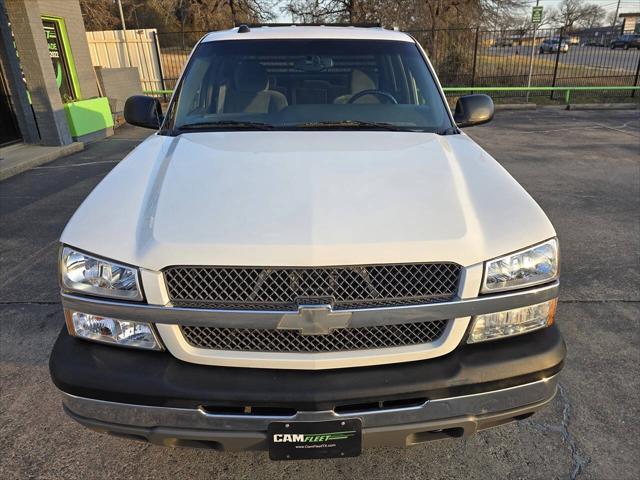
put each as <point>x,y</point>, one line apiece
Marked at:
<point>593,16</point>
<point>570,13</point>
<point>501,14</point>
<point>318,11</point>
<point>252,11</point>
<point>405,14</point>
<point>172,15</point>
<point>522,19</point>
<point>99,15</point>
<point>614,20</point>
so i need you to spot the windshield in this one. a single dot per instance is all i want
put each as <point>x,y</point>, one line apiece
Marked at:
<point>296,84</point>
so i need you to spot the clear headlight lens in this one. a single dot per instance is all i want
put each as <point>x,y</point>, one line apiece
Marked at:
<point>492,326</point>
<point>527,267</point>
<point>125,333</point>
<point>87,274</point>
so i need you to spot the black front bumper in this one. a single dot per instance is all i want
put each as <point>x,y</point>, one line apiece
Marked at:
<point>112,374</point>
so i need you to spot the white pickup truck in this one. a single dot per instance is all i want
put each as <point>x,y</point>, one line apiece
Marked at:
<point>307,257</point>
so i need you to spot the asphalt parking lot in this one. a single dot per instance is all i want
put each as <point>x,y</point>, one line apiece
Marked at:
<point>602,57</point>
<point>583,167</point>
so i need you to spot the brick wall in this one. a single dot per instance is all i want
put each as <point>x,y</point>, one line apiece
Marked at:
<point>26,21</point>
<point>15,84</point>
<point>26,25</point>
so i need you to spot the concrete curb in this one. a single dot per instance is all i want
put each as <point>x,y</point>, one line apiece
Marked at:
<point>603,106</point>
<point>32,156</point>
<point>515,106</point>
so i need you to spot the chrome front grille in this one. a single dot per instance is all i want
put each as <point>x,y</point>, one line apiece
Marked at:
<point>292,341</point>
<point>285,288</point>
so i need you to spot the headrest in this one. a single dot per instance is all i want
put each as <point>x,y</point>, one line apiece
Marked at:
<point>361,81</point>
<point>251,77</point>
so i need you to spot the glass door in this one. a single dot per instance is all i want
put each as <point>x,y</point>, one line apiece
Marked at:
<point>9,131</point>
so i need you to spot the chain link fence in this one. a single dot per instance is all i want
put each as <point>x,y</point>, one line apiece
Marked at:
<point>475,57</point>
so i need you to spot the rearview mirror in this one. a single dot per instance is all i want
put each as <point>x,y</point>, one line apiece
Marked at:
<point>473,110</point>
<point>143,111</point>
<point>314,63</point>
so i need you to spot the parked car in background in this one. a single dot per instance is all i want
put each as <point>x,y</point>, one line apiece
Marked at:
<point>551,45</point>
<point>626,42</point>
<point>504,42</point>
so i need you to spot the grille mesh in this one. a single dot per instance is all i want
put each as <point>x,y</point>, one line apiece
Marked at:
<point>343,339</point>
<point>282,288</point>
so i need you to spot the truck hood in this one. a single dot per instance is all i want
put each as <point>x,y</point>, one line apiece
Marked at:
<point>306,199</point>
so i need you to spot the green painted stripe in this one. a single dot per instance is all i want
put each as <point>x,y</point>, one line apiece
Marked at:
<point>485,89</point>
<point>157,92</point>
<point>332,433</point>
<point>535,89</point>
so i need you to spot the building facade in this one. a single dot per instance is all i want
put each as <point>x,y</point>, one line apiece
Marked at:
<point>45,70</point>
<point>630,22</point>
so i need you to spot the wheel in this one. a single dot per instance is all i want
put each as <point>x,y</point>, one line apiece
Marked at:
<point>626,46</point>
<point>613,47</point>
<point>541,51</point>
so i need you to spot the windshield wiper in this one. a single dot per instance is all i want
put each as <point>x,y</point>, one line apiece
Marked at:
<point>350,124</point>
<point>222,124</point>
<point>447,131</point>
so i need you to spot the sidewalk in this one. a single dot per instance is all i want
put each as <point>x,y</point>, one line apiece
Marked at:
<point>21,157</point>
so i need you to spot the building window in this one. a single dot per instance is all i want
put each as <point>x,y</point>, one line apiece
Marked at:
<point>61,58</point>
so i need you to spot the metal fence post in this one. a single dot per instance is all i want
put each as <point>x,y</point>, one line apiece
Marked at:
<point>635,81</point>
<point>475,59</point>
<point>156,43</point>
<point>531,57</point>
<point>555,69</point>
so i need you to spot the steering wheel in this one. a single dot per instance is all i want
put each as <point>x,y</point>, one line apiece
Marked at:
<point>380,93</point>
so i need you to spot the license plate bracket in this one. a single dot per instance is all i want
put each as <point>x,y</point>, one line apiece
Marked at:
<point>315,440</point>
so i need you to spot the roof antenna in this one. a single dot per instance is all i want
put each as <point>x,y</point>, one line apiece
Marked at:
<point>243,28</point>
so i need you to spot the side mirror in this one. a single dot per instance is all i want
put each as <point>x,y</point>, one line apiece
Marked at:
<point>143,111</point>
<point>473,110</point>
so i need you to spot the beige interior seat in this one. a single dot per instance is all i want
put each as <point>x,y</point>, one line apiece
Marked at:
<point>250,92</point>
<point>311,92</point>
<point>360,81</point>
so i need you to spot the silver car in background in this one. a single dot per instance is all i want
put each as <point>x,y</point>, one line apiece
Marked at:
<point>552,45</point>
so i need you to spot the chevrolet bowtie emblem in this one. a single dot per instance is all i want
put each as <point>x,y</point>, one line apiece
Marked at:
<point>315,320</point>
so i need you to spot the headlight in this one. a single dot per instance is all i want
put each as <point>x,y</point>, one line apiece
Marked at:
<point>125,333</point>
<point>492,326</point>
<point>87,274</point>
<point>527,267</point>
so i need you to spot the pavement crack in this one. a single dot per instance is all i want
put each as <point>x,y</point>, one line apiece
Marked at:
<point>579,459</point>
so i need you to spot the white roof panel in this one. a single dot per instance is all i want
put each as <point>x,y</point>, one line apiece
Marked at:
<point>320,32</point>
